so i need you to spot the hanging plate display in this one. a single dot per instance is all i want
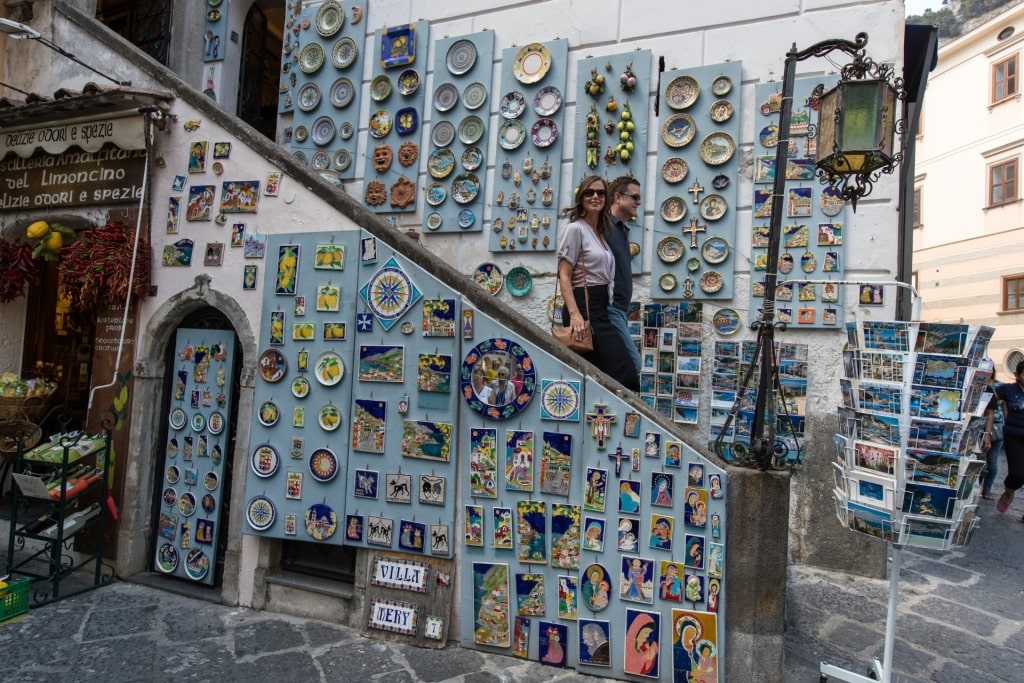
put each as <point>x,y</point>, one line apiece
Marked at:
<point>693,264</point>
<point>490,277</point>
<point>329,417</point>
<point>211,481</point>
<point>198,422</point>
<point>300,387</point>
<point>321,161</point>
<point>769,135</point>
<point>674,170</point>
<point>808,262</point>
<point>346,130</point>
<point>321,521</point>
<point>197,565</point>
<point>272,365</point>
<point>713,207</point>
<point>380,123</point>
<point>711,281</point>
<point>442,133</point>
<point>474,96</point>
<point>670,249</point>
<point>311,58</point>
<point>344,52</point>
<point>461,57</point>
<point>342,159</point>
<point>678,130</point>
<point>715,250</point>
<point>720,182</point>
<point>531,63</point>
<point>466,218</point>
<point>264,460</point>
<point>301,133</point>
<point>408,82</point>
<point>170,496</point>
<point>667,282</point>
<point>544,133</point>
<point>721,85</point>
<point>208,503</point>
<point>547,101</point>
<point>830,201</point>
<point>173,474</point>
<point>260,513</point>
<point>299,155</point>
<point>511,134</point>
<point>436,194</point>
<point>434,220</point>
<point>673,209</point>
<point>519,281</point>
<point>472,158</point>
<point>322,130</point>
<point>398,46</point>
<point>380,88</point>
<point>470,130</point>
<point>440,163</point>
<point>682,92</point>
<point>329,368</point>
<point>269,414</point>
<point>329,19</point>
<point>726,321</point>
<point>721,111</point>
<point>407,120</point>
<point>178,418</point>
<point>512,105</point>
<point>323,464</point>
<point>167,558</point>
<point>187,504</point>
<point>446,96</point>
<point>465,188</point>
<point>717,148</point>
<point>308,97</point>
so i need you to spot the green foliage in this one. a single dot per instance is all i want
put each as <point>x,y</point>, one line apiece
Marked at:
<point>950,18</point>
<point>944,20</point>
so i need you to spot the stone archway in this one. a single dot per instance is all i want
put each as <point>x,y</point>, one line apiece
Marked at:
<point>144,441</point>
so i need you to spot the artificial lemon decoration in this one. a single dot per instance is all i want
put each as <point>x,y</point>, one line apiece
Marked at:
<point>37,230</point>
<point>54,241</point>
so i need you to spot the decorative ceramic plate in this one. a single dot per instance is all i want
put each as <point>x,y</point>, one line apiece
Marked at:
<point>167,558</point>
<point>466,218</point>
<point>407,327</point>
<point>441,163</point>
<point>198,422</point>
<point>380,88</point>
<point>299,155</point>
<point>721,111</point>
<point>713,207</point>
<point>726,321</point>
<point>329,368</point>
<point>511,134</point>
<point>769,135</point>
<point>670,249</point>
<point>170,496</point>
<point>264,460</point>
<point>260,513</point>
<point>344,52</point>
<point>173,474</point>
<point>474,96</point>
<point>434,220</point>
<point>519,281</point>
<point>300,387</point>
<point>346,130</point>
<point>208,502</point>
<point>197,565</point>
<point>342,159</point>
<point>442,133</point>
<point>322,130</point>
<point>490,277</point>
<point>187,504</point>
<point>329,19</point>
<point>715,250</point>
<point>544,133</point>
<point>272,365</point>
<point>531,63</point>
<point>407,120</point>
<point>547,101</point>
<point>674,170</point>
<point>693,264</point>
<point>301,133</point>
<point>717,148</point>
<point>711,281</point>
<point>808,262</point>
<point>329,417</point>
<point>512,105</point>
<point>408,82</point>
<point>211,481</point>
<point>269,414</point>
<point>673,209</point>
<point>561,399</point>
<point>311,58</point>
<point>308,97</point>
<point>178,418</point>
<point>321,160</point>
<point>323,464</point>
<point>470,130</point>
<point>682,92</point>
<point>398,46</point>
<point>461,57</point>
<point>678,130</point>
<point>721,85</point>
<point>321,521</point>
<point>720,182</point>
<point>218,167</point>
<point>436,194</point>
<point>446,96</point>
<point>465,188</point>
<point>830,201</point>
<point>785,263</point>
<point>472,157</point>
<point>380,123</point>
<point>667,282</point>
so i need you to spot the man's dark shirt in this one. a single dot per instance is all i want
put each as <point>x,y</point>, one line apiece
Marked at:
<point>618,242</point>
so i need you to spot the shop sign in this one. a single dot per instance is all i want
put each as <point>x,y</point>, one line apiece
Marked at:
<point>393,616</point>
<point>410,575</point>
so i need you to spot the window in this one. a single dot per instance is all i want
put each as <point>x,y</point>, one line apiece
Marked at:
<point>917,207</point>
<point>1004,79</point>
<point>1013,293</point>
<point>1002,182</point>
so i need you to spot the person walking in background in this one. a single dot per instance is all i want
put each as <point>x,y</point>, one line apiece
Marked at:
<point>584,245</point>
<point>994,432</point>
<point>1012,396</point>
<point>624,195</point>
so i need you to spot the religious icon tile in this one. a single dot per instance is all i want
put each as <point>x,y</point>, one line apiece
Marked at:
<point>636,583</point>
<point>642,643</point>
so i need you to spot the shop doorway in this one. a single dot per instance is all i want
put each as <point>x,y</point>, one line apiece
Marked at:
<point>260,68</point>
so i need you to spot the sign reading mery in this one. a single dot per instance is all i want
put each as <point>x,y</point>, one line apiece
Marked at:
<point>393,572</point>
<point>393,616</point>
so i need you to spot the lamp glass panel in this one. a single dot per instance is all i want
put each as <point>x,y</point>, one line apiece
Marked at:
<point>827,124</point>
<point>861,107</point>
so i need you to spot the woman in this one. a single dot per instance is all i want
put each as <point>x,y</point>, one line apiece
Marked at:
<point>1012,396</point>
<point>583,246</point>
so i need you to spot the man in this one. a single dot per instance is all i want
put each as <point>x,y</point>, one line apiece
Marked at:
<point>624,194</point>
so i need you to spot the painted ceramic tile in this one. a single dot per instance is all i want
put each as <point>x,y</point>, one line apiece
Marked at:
<point>237,235</point>
<point>530,595</point>
<point>173,213</point>
<point>531,531</point>
<point>636,582</point>
<point>696,507</point>
<point>197,157</point>
<point>293,489</point>
<point>303,331</point>
<point>302,361</point>
<point>518,460</point>
<point>560,400</point>
<point>830,234</point>
<point>379,531</point>
<point>439,542</point>
<point>287,269</point>
<point>411,535</point>
<point>389,293</point>
<point>594,648</point>
<point>434,373</point>
<point>491,625</point>
<point>695,645</point>
<point>329,257</point>
<point>239,196</point>
<point>555,463</point>
<point>502,519</point>
<point>426,440</point>
<point>328,298</point>
<point>628,534</point>
<point>565,536</point>
<point>178,254</point>
<point>596,588</point>
<point>661,532</point>
<point>354,528</point>
<point>670,581</point>
<point>714,589</point>
<point>662,486</point>
<point>552,644</point>
<point>642,644</point>
<point>601,422</point>
<point>368,250</point>
<point>398,487</point>
<point>255,245</point>
<point>799,202</point>
<point>483,459</point>
<point>277,327</point>
<point>629,497</point>
<point>694,552</point>
<point>273,185</point>
<point>595,489</point>
<point>473,524</point>
<point>221,150</point>
<point>291,524</point>
<point>369,425</point>
<point>200,203</point>
<point>568,590</point>
<point>593,534</point>
<point>366,484</point>
<point>439,317</point>
<point>334,331</point>
<point>381,363</point>
<point>521,638</point>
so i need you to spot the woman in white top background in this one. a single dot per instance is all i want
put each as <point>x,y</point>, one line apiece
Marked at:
<point>583,246</point>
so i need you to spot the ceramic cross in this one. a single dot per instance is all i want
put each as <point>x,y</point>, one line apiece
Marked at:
<point>618,456</point>
<point>600,422</point>
<point>695,190</point>
<point>693,230</point>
